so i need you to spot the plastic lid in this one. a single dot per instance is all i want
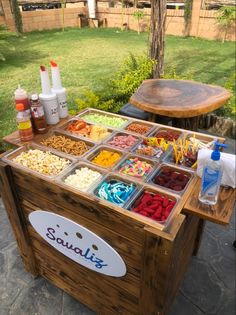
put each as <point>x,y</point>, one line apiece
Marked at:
<point>20,107</point>
<point>20,92</point>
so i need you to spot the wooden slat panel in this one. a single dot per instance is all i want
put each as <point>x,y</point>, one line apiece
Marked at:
<point>183,248</point>
<point>16,218</point>
<point>87,206</point>
<point>91,288</point>
<point>131,253</point>
<point>219,213</point>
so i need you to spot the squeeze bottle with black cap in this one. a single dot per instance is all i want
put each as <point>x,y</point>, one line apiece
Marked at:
<point>211,177</point>
<point>48,99</point>
<point>59,90</point>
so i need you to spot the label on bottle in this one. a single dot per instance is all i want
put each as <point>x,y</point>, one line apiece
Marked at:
<point>54,111</point>
<point>24,125</point>
<point>37,111</point>
<point>210,181</point>
<point>62,105</point>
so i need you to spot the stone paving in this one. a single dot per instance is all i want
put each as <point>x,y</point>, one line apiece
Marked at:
<point>207,288</point>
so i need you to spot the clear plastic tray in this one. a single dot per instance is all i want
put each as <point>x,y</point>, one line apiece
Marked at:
<point>13,154</point>
<point>165,166</point>
<point>61,178</point>
<point>166,130</point>
<point>207,141</point>
<point>120,133</point>
<point>169,158</point>
<point>88,111</point>
<point>91,145</point>
<point>162,156</point>
<point>153,163</point>
<point>151,126</point>
<point>100,148</point>
<point>120,179</point>
<point>74,134</point>
<point>136,199</point>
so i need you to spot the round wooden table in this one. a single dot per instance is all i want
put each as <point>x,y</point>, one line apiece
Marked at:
<point>183,100</point>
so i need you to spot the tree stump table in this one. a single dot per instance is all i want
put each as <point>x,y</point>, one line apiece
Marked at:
<point>185,101</point>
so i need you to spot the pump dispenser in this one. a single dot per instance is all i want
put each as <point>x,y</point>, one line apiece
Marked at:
<point>48,99</point>
<point>211,177</point>
<point>59,90</point>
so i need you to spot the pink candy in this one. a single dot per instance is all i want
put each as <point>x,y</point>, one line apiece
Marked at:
<point>123,142</point>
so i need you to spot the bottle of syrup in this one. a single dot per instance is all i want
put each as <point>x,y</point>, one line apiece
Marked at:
<point>24,123</point>
<point>37,114</point>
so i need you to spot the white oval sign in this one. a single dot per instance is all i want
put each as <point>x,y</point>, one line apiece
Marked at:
<point>78,243</point>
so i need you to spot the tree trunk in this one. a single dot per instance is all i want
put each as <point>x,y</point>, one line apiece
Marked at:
<point>157,36</point>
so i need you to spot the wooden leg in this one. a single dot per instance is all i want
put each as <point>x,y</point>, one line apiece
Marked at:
<point>152,117</point>
<point>186,123</point>
<point>198,239</point>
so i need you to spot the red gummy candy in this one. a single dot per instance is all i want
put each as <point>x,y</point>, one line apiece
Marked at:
<point>144,213</point>
<point>154,205</point>
<point>149,210</point>
<point>158,211</point>
<point>165,202</point>
<point>137,209</point>
<point>173,202</point>
<point>166,214</point>
<point>158,197</point>
<point>146,198</point>
<point>156,217</point>
<point>163,218</point>
<point>169,208</point>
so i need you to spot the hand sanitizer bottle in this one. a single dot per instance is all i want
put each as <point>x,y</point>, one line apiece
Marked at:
<point>211,177</point>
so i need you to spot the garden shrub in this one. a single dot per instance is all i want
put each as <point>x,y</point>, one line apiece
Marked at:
<point>129,77</point>
<point>5,46</point>
<point>121,86</point>
<point>229,108</point>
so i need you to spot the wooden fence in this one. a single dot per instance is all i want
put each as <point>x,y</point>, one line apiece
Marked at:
<point>203,22</point>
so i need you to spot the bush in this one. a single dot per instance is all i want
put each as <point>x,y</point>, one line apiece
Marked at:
<point>120,88</point>
<point>229,108</point>
<point>129,77</point>
<point>5,46</point>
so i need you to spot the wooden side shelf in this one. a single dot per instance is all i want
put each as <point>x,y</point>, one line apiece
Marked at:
<point>219,213</point>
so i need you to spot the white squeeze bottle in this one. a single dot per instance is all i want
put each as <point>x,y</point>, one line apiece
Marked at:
<point>59,90</point>
<point>211,177</point>
<point>48,99</point>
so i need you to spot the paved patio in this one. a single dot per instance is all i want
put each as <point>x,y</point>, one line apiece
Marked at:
<point>208,286</point>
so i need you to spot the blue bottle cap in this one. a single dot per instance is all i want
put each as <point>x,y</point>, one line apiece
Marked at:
<point>215,155</point>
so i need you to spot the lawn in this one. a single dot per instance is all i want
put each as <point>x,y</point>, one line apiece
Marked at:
<point>88,57</point>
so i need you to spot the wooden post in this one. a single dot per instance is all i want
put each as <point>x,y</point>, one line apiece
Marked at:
<point>195,17</point>
<point>157,36</point>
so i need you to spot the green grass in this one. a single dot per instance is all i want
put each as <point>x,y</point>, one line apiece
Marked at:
<point>88,57</point>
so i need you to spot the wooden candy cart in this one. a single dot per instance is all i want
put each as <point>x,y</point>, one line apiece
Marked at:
<point>155,256</point>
